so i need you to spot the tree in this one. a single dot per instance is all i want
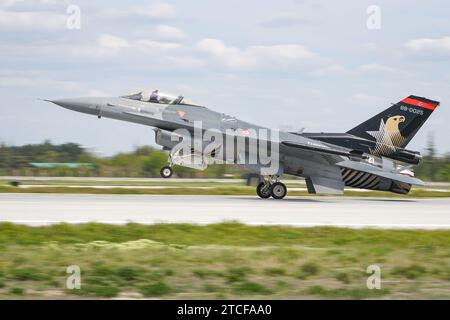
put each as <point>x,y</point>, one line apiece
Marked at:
<point>154,162</point>
<point>430,157</point>
<point>443,173</point>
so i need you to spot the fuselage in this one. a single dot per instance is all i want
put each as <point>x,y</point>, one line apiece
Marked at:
<point>312,161</point>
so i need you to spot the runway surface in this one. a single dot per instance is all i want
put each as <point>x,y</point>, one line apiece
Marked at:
<point>44,209</point>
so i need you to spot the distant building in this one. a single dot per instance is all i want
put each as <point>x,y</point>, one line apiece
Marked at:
<point>71,165</point>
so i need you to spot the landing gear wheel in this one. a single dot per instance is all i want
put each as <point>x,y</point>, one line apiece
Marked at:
<point>263,190</point>
<point>278,190</point>
<point>166,172</point>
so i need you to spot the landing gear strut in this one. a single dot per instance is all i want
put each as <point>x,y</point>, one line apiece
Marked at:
<point>271,187</point>
<point>167,171</point>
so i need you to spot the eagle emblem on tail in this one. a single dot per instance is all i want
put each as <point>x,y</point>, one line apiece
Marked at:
<point>388,136</point>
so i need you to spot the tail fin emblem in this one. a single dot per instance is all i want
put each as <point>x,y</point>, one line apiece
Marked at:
<point>388,135</point>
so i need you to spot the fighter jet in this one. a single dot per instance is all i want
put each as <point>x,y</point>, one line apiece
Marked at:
<point>371,155</point>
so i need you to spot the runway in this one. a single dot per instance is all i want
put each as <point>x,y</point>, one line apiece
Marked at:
<point>45,209</point>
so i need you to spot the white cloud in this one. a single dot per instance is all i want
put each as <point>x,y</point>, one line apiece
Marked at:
<point>339,70</point>
<point>117,43</point>
<point>286,20</point>
<point>375,68</point>
<point>112,42</point>
<point>362,98</point>
<point>132,51</point>
<point>429,44</point>
<point>156,10</point>
<point>186,62</point>
<point>165,31</point>
<point>230,56</point>
<point>369,46</point>
<point>288,51</point>
<point>36,81</point>
<point>10,3</point>
<point>32,20</point>
<point>254,56</point>
<point>99,93</point>
<point>151,44</point>
<point>437,46</point>
<point>108,45</point>
<point>334,69</point>
<point>159,10</point>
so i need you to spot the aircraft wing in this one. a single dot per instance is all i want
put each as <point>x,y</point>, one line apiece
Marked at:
<point>324,149</point>
<point>325,177</point>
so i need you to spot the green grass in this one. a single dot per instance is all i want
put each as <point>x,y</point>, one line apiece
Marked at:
<point>251,288</point>
<point>275,272</point>
<point>227,260</point>
<point>237,274</point>
<point>155,289</point>
<point>97,290</point>
<point>309,269</point>
<point>205,273</point>
<point>130,273</point>
<point>17,291</point>
<point>29,274</point>
<point>353,293</point>
<point>343,277</point>
<point>413,271</point>
<point>210,189</point>
<point>229,233</point>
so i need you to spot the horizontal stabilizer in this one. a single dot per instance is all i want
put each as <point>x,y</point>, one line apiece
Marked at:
<point>358,166</point>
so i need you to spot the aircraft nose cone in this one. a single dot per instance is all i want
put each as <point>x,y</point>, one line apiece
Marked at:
<point>72,104</point>
<point>83,104</point>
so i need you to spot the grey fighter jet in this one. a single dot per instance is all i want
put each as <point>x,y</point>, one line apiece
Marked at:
<point>372,155</point>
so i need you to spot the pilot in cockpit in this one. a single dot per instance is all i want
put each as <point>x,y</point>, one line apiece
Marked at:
<point>154,97</point>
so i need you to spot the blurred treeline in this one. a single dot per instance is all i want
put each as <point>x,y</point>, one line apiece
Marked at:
<point>433,167</point>
<point>147,161</point>
<point>142,162</point>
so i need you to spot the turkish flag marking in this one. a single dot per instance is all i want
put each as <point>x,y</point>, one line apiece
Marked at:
<point>419,103</point>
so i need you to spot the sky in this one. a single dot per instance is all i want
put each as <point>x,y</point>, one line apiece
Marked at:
<point>290,64</point>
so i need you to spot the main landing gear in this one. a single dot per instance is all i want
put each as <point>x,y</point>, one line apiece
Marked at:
<point>271,187</point>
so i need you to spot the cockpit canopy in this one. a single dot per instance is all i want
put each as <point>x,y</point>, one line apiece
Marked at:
<point>157,96</point>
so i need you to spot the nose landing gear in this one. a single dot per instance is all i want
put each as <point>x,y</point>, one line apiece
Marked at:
<point>166,172</point>
<point>271,187</point>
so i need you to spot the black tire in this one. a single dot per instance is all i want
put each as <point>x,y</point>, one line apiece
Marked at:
<point>263,191</point>
<point>166,172</point>
<point>278,190</point>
